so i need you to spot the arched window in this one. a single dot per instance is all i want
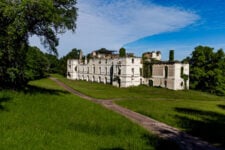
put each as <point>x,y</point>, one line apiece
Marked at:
<point>93,69</point>
<point>150,83</point>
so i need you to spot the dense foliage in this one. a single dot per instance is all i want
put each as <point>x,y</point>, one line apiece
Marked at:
<point>122,52</point>
<point>20,19</point>
<point>73,54</point>
<point>171,55</point>
<point>207,70</point>
<point>37,64</point>
<point>53,61</point>
<point>147,69</point>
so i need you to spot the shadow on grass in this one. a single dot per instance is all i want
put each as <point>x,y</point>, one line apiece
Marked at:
<point>221,106</point>
<point>153,141</point>
<point>3,99</point>
<point>159,143</point>
<point>96,129</point>
<point>210,126</point>
<point>30,89</point>
<point>116,148</point>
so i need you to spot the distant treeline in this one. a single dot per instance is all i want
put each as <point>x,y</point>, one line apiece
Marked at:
<point>207,67</point>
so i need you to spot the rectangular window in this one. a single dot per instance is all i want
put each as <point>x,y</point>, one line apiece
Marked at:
<point>119,71</point>
<point>140,71</point>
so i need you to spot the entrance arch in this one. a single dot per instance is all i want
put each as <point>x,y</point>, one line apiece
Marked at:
<point>150,83</point>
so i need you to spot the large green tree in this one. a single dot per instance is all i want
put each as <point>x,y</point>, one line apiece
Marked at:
<point>207,70</point>
<point>20,19</point>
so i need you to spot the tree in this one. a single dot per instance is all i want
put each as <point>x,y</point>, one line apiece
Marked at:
<point>207,70</point>
<point>53,66</point>
<point>122,52</point>
<point>36,64</point>
<point>20,19</point>
<point>171,56</point>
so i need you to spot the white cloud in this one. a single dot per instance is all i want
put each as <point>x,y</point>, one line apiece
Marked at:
<point>111,24</point>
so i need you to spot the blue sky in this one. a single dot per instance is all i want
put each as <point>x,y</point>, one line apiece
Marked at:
<point>146,25</point>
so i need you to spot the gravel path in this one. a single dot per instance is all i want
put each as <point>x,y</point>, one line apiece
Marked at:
<point>185,141</point>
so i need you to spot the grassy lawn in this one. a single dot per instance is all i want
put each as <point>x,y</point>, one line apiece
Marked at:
<point>198,113</point>
<point>44,116</point>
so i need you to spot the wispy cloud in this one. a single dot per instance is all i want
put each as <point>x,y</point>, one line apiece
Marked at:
<point>111,24</point>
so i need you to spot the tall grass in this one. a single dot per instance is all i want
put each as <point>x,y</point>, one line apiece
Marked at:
<point>197,113</point>
<point>103,91</point>
<point>44,116</point>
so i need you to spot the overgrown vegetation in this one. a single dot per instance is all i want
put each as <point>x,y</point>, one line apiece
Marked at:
<point>44,116</point>
<point>20,19</point>
<point>147,69</point>
<point>122,52</point>
<point>207,70</point>
<point>171,56</point>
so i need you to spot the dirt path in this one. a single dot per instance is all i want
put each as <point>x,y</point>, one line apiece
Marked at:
<point>185,141</point>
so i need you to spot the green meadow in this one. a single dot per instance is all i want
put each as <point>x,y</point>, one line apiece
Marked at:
<point>199,114</point>
<point>44,116</point>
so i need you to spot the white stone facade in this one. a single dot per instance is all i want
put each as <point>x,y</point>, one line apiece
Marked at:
<point>126,72</point>
<point>172,79</point>
<point>121,72</point>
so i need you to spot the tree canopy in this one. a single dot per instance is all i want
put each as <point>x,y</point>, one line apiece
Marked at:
<point>207,70</point>
<point>20,19</point>
<point>37,64</point>
<point>122,52</point>
<point>171,55</point>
